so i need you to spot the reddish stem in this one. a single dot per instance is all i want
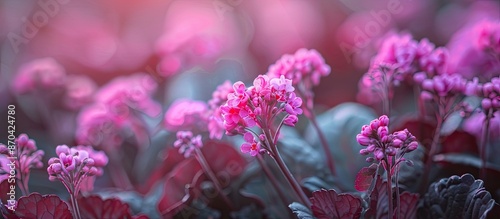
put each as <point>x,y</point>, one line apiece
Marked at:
<point>484,143</point>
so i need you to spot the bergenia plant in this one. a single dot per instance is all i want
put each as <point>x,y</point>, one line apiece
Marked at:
<point>267,105</point>
<point>387,150</point>
<point>227,109</point>
<point>72,167</point>
<point>21,158</point>
<point>305,68</point>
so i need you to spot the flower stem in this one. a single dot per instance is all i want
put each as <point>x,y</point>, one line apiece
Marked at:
<point>396,187</point>
<point>74,204</point>
<point>324,142</point>
<point>273,180</point>
<point>484,143</point>
<point>433,150</point>
<point>285,171</point>
<point>389,190</point>
<point>204,165</point>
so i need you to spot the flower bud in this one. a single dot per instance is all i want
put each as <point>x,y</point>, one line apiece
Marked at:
<point>362,140</point>
<point>412,146</point>
<point>384,120</point>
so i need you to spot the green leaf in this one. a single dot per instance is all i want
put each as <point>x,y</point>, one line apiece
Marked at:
<point>340,125</point>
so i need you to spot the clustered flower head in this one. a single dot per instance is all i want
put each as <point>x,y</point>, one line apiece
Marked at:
<point>73,165</point>
<point>215,120</point>
<point>260,104</point>
<point>27,154</point>
<point>186,114</point>
<point>476,50</point>
<point>401,59</point>
<point>80,91</point>
<point>187,143</point>
<point>304,68</point>
<point>383,145</point>
<point>489,91</point>
<point>43,74</point>
<point>117,111</point>
<point>443,86</point>
<point>301,66</point>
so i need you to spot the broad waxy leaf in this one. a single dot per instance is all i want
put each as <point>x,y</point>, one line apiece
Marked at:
<point>365,177</point>
<point>94,207</point>
<point>457,197</point>
<point>327,204</point>
<point>37,206</point>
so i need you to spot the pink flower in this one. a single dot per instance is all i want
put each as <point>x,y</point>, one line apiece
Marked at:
<point>250,146</point>
<point>74,165</point>
<point>474,125</point>
<point>377,140</point>
<point>99,127</point>
<point>27,153</point>
<point>129,93</point>
<point>79,91</point>
<point>186,114</point>
<point>445,85</point>
<point>259,104</point>
<point>186,143</point>
<point>215,120</point>
<point>42,74</point>
<point>195,35</point>
<point>305,67</point>
<point>475,50</point>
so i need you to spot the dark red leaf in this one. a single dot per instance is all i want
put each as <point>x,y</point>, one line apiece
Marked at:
<point>4,189</point>
<point>175,194</point>
<point>365,177</point>
<point>327,204</point>
<point>42,207</point>
<point>460,142</point>
<point>224,160</point>
<point>409,206</point>
<point>171,158</point>
<point>94,207</point>
<point>378,205</point>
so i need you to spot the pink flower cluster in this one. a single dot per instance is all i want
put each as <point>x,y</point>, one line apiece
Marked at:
<point>74,165</point>
<point>443,86</point>
<point>489,91</point>
<point>260,104</point>
<point>407,56</point>
<point>27,155</point>
<point>41,74</point>
<point>304,65</point>
<point>476,50</point>
<point>48,75</point>
<point>186,114</point>
<point>117,109</point>
<point>399,58</point>
<point>187,143</point>
<point>215,119</point>
<point>381,143</point>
